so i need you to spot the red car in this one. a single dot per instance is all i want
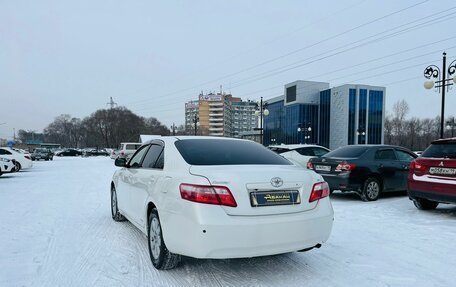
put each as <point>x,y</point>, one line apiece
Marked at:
<point>432,176</point>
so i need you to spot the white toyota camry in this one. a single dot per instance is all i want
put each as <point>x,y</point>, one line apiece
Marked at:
<point>207,197</point>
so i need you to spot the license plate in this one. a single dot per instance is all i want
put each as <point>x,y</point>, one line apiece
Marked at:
<point>270,198</point>
<point>323,167</point>
<point>442,171</point>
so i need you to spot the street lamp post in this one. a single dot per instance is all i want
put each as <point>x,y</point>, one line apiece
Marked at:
<point>439,77</point>
<point>307,132</point>
<point>451,125</point>
<point>361,132</point>
<point>196,123</point>
<point>262,112</point>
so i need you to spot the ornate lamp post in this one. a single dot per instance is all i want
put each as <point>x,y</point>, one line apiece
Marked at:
<point>261,112</point>
<point>438,78</point>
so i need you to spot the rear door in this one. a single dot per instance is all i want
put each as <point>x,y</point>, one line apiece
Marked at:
<point>389,167</point>
<point>147,177</point>
<point>405,158</point>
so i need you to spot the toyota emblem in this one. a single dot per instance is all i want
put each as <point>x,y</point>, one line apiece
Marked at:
<point>276,182</point>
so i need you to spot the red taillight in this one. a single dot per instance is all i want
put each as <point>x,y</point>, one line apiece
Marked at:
<point>319,190</point>
<point>219,195</point>
<point>417,167</point>
<point>345,167</point>
<point>27,157</point>
<point>310,165</point>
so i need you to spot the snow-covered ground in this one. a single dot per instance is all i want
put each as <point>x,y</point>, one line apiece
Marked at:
<point>56,230</point>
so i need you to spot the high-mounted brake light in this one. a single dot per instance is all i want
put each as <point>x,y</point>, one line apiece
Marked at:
<point>209,194</point>
<point>310,165</point>
<point>345,167</point>
<point>319,190</point>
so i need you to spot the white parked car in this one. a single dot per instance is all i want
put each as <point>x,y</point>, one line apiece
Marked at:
<point>22,161</point>
<point>207,197</point>
<point>6,165</point>
<point>127,149</point>
<point>299,153</point>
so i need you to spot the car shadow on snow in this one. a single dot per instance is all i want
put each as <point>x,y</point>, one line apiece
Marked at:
<point>349,196</point>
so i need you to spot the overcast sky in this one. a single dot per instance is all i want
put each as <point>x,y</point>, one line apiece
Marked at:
<point>69,57</point>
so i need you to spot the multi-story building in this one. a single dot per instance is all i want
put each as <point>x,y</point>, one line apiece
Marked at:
<point>243,117</point>
<point>220,115</point>
<point>191,113</point>
<point>311,112</point>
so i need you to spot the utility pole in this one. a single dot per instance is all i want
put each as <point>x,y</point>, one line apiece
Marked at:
<point>111,103</point>
<point>173,128</point>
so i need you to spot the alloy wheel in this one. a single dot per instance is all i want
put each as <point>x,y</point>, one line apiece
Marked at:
<point>155,238</point>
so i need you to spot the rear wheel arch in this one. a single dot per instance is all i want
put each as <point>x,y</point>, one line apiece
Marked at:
<point>150,207</point>
<point>378,177</point>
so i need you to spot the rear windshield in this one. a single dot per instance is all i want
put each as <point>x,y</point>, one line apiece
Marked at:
<point>226,152</point>
<point>132,146</point>
<point>441,150</point>
<point>347,152</point>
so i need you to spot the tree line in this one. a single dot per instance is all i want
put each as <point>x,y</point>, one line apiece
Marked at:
<point>413,133</point>
<point>103,128</point>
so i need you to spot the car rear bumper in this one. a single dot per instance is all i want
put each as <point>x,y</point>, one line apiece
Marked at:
<point>432,188</point>
<point>211,233</point>
<point>341,181</point>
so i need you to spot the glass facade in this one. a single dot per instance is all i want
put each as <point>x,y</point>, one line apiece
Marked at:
<point>325,116</point>
<point>362,116</point>
<point>281,126</point>
<point>291,94</point>
<point>351,115</point>
<point>365,115</point>
<point>374,133</point>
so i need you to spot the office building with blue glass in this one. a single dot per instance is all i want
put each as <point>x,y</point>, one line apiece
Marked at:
<point>312,112</point>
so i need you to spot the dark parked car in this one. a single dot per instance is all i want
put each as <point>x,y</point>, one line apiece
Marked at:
<point>365,169</point>
<point>432,176</point>
<point>96,152</point>
<point>42,153</point>
<point>69,152</point>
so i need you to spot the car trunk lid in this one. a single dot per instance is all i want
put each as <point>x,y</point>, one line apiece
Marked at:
<point>252,183</point>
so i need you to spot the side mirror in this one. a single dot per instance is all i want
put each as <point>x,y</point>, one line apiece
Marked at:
<point>120,162</point>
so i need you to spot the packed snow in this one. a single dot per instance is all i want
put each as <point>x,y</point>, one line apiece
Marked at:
<point>56,230</point>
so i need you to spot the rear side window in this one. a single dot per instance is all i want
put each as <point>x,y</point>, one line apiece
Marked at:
<point>404,156</point>
<point>226,152</point>
<point>279,150</point>
<point>348,152</point>
<point>305,151</point>
<point>385,154</point>
<point>441,150</point>
<point>4,151</point>
<point>132,146</point>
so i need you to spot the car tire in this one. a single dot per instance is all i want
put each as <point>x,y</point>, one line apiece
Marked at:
<point>115,213</point>
<point>160,256</point>
<point>371,190</point>
<point>425,204</point>
<point>17,166</point>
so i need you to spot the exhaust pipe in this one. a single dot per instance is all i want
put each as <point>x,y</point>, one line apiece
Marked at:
<point>310,248</point>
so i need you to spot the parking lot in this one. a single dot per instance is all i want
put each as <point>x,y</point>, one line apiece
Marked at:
<point>56,230</point>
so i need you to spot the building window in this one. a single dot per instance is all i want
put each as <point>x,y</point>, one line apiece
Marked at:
<point>325,116</point>
<point>362,116</point>
<point>291,94</point>
<point>375,117</point>
<point>351,115</point>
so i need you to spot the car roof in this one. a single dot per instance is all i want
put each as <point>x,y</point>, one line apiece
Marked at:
<point>295,146</point>
<point>442,141</point>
